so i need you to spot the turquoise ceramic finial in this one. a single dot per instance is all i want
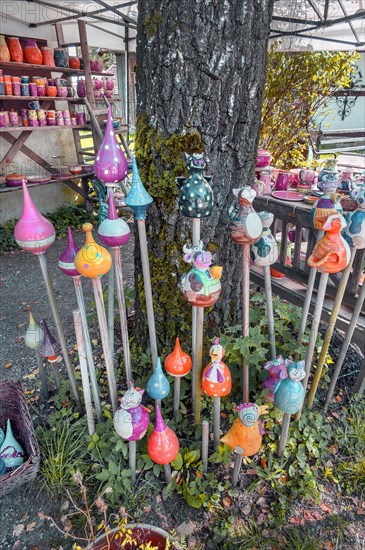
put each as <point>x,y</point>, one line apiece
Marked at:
<point>138,198</point>
<point>11,451</point>
<point>158,386</point>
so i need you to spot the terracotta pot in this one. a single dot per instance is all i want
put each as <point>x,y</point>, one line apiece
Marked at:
<point>47,56</point>
<point>74,62</point>
<point>32,54</point>
<point>4,50</point>
<point>142,532</point>
<point>16,52</point>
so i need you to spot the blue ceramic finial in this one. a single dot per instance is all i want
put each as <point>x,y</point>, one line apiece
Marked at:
<point>158,386</point>
<point>138,198</point>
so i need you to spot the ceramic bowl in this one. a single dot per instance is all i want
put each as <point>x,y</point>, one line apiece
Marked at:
<point>38,179</point>
<point>115,123</point>
<point>75,169</point>
<point>15,180</point>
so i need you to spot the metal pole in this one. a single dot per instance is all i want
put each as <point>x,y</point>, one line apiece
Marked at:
<point>99,301</point>
<point>245,315</point>
<point>217,421</point>
<point>60,333</point>
<point>237,464</point>
<point>177,383</point>
<point>42,375</point>
<point>205,444</point>
<point>199,363</point>
<point>270,311</point>
<point>122,313</point>
<point>284,433</point>
<point>196,239</point>
<point>84,372</point>
<point>88,348</point>
<point>167,469</point>
<point>132,460</point>
<point>308,295</point>
<point>126,69</point>
<point>111,310</point>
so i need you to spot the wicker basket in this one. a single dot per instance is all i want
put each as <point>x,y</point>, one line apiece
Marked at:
<point>13,405</point>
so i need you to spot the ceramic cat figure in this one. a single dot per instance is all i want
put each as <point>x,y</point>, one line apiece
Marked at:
<point>265,251</point>
<point>246,225</point>
<point>246,431</point>
<point>354,233</point>
<point>201,286</point>
<point>289,393</point>
<point>131,419</point>
<point>196,195</point>
<point>331,254</point>
<point>277,371</point>
<point>217,380</point>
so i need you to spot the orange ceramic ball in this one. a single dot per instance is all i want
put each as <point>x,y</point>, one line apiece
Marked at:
<point>163,447</point>
<point>92,260</point>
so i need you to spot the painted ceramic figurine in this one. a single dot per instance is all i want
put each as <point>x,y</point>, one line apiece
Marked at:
<point>201,285</point>
<point>92,260</point>
<point>131,419</point>
<point>265,251</point>
<point>246,225</point>
<point>328,204</point>
<point>246,431</point>
<point>289,392</point>
<point>163,445</point>
<point>331,254</point>
<point>110,165</point>
<point>196,195</point>
<point>178,363</point>
<point>276,370</point>
<point>11,451</point>
<point>113,231</point>
<point>217,380</point>
<point>158,387</point>
<point>138,198</point>
<point>34,335</point>
<point>354,232</point>
<point>49,348</point>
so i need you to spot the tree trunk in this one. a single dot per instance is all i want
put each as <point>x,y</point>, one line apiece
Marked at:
<point>200,79</point>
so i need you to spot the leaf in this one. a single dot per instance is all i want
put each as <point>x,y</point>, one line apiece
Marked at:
<point>177,464</point>
<point>191,500</point>
<point>18,529</point>
<point>325,508</point>
<point>31,526</point>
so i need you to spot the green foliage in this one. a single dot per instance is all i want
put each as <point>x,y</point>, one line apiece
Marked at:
<point>297,85</point>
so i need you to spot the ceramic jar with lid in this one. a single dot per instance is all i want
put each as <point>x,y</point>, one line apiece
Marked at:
<point>16,52</point>
<point>32,54</point>
<point>4,50</point>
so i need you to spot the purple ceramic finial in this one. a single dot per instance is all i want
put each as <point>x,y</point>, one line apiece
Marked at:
<point>160,425</point>
<point>66,261</point>
<point>112,211</point>
<point>110,165</point>
<point>113,231</point>
<point>33,232</point>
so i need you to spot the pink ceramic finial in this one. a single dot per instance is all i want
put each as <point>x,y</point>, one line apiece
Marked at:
<point>160,425</point>
<point>66,263</point>
<point>113,231</point>
<point>33,232</point>
<point>110,165</point>
<point>112,211</point>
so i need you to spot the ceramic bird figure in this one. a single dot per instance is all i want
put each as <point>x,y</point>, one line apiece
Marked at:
<point>11,451</point>
<point>110,165</point>
<point>354,232</point>
<point>34,335</point>
<point>217,380</point>
<point>158,386</point>
<point>49,348</point>
<point>289,392</point>
<point>277,371</point>
<point>178,363</point>
<point>66,263</point>
<point>201,286</point>
<point>163,445</point>
<point>331,254</point>
<point>265,251</point>
<point>131,419</point>
<point>92,260</point>
<point>246,431</point>
<point>246,225</point>
<point>138,198</point>
<point>196,195</point>
<point>113,231</point>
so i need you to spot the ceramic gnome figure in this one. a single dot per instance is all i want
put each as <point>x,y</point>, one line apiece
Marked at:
<point>196,195</point>
<point>158,386</point>
<point>201,286</point>
<point>217,380</point>
<point>265,251</point>
<point>163,445</point>
<point>11,451</point>
<point>331,254</point>
<point>246,431</point>
<point>289,392</point>
<point>178,363</point>
<point>131,419</point>
<point>246,225</point>
<point>276,370</point>
<point>354,233</point>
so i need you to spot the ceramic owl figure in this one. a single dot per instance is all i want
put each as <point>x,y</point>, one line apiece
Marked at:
<point>196,195</point>
<point>354,233</point>
<point>201,286</point>
<point>131,419</point>
<point>277,371</point>
<point>265,251</point>
<point>246,431</point>
<point>289,392</point>
<point>246,225</point>
<point>217,380</point>
<point>331,254</point>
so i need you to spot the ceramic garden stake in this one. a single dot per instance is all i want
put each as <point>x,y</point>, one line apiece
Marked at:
<point>277,370</point>
<point>110,165</point>
<point>158,386</point>
<point>178,364</point>
<point>93,261</point>
<point>66,263</point>
<point>35,233</point>
<point>246,431</point>
<point>11,451</point>
<point>163,445</point>
<point>139,200</point>
<point>33,339</point>
<point>246,228</point>
<point>217,383</point>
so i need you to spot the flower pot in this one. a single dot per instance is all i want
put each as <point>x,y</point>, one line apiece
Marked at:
<point>141,532</point>
<point>32,54</point>
<point>16,52</point>
<point>4,50</point>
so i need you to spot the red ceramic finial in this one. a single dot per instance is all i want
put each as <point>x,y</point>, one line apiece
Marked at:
<point>163,445</point>
<point>178,363</point>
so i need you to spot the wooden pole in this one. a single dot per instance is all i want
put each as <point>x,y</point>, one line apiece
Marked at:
<point>270,311</point>
<point>345,345</point>
<point>359,385</point>
<point>84,372</point>
<point>167,469</point>
<point>99,301</point>
<point>284,433</point>
<point>199,363</point>
<point>205,444</point>
<point>85,56</point>
<point>42,375</point>
<point>245,315</point>
<point>177,384</point>
<point>148,290</point>
<point>331,326</point>
<point>60,332</point>
<point>122,313</point>
<point>237,464</point>
<point>217,421</point>
<point>132,459</point>
<point>196,240</point>
<point>88,348</point>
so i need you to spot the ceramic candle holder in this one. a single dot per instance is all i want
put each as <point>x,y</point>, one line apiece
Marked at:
<point>196,195</point>
<point>158,386</point>
<point>163,445</point>
<point>66,263</point>
<point>110,165</point>
<point>246,225</point>
<point>217,380</point>
<point>289,391</point>
<point>138,198</point>
<point>178,363</point>
<point>246,431</point>
<point>131,419</point>
<point>92,260</point>
<point>331,254</point>
<point>113,231</point>
<point>201,286</point>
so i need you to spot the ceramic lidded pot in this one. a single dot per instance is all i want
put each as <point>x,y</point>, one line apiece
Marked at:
<point>32,54</point>
<point>16,51</point>
<point>60,57</point>
<point>4,50</point>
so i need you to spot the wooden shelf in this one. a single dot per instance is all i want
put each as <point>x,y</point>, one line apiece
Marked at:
<point>62,70</point>
<point>7,189</point>
<point>41,128</point>
<point>49,98</point>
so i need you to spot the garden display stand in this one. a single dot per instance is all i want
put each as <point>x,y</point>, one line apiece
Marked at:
<point>84,372</point>
<point>178,364</point>
<point>35,233</point>
<point>93,261</point>
<point>66,264</point>
<point>246,229</point>
<point>33,339</point>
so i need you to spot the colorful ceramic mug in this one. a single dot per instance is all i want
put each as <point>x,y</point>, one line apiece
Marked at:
<point>51,91</point>
<point>282,181</point>
<point>34,105</point>
<point>81,118</point>
<point>33,89</point>
<point>307,176</point>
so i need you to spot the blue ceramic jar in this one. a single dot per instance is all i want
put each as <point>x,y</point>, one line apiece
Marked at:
<point>60,57</point>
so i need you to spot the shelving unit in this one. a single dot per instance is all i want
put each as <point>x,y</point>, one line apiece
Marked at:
<point>49,68</point>
<point>13,129</point>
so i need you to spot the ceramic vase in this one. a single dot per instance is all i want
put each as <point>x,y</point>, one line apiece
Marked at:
<point>217,380</point>
<point>60,57</point>
<point>110,165</point>
<point>4,50</point>
<point>113,231</point>
<point>47,56</point>
<point>158,386</point>
<point>131,419</point>
<point>178,363</point>
<point>16,51</point>
<point>92,260</point>
<point>163,445</point>
<point>195,196</point>
<point>201,286</point>
<point>32,54</point>
<point>81,88</point>
<point>11,451</point>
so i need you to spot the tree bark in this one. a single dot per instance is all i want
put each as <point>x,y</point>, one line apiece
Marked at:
<point>200,79</point>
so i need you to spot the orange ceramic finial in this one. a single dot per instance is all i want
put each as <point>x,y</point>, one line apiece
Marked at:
<point>178,363</point>
<point>92,260</point>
